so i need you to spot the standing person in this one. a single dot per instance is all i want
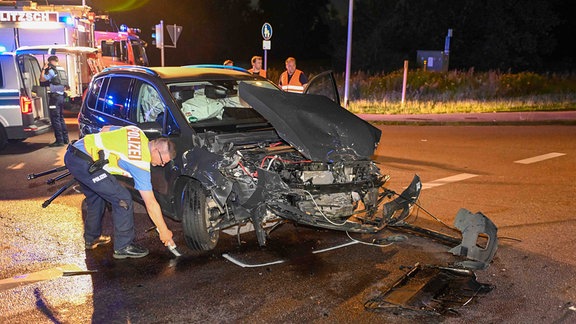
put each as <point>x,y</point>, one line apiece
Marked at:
<point>56,76</point>
<point>292,80</point>
<point>129,153</point>
<point>257,66</point>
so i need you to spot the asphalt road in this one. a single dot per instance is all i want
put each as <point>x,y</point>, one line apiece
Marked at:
<point>521,177</point>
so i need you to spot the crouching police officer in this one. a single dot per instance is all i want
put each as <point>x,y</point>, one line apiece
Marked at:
<point>129,153</point>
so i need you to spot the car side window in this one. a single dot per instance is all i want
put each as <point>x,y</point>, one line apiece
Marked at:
<point>116,100</point>
<point>93,92</point>
<point>148,104</point>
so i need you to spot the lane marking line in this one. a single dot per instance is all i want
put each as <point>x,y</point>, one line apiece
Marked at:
<point>447,180</point>
<point>256,265</point>
<point>540,158</point>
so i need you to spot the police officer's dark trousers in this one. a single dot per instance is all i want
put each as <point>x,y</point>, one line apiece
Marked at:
<point>101,187</point>
<point>57,118</point>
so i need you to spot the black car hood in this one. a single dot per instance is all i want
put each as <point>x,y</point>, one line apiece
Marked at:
<point>316,126</point>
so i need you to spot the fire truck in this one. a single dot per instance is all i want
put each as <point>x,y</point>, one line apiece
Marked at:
<point>26,23</point>
<point>67,31</point>
<point>123,47</point>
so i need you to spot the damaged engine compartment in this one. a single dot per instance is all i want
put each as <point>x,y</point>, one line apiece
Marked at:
<point>270,181</point>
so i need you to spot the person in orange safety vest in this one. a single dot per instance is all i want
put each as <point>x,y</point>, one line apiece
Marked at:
<point>257,66</point>
<point>292,80</point>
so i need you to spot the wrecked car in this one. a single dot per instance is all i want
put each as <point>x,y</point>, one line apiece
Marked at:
<point>249,152</point>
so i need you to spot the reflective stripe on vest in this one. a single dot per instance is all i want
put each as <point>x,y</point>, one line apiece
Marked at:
<point>128,144</point>
<point>294,85</point>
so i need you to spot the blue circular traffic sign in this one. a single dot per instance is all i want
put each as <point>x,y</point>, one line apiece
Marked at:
<point>266,31</point>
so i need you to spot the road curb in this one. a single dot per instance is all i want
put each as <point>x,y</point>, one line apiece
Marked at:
<point>498,118</point>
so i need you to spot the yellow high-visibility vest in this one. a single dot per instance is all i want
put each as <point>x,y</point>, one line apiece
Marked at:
<point>128,143</point>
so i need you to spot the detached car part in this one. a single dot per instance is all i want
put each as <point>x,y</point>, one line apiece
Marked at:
<point>472,226</point>
<point>429,290</point>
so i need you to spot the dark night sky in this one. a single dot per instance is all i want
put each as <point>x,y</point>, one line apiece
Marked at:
<point>212,38</point>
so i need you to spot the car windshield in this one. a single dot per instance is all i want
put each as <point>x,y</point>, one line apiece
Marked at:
<point>216,103</point>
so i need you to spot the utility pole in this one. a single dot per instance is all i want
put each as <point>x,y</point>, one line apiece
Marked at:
<point>348,54</point>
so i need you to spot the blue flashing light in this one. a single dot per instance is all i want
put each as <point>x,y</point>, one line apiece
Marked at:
<point>110,101</point>
<point>68,20</point>
<point>123,28</point>
<point>101,119</point>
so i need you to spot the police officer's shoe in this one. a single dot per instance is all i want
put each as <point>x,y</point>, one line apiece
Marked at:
<point>56,144</point>
<point>130,251</point>
<point>101,240</point>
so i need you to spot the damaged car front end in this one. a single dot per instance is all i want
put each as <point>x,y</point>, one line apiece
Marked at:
<point>250,153</point>
<point>312,167</point>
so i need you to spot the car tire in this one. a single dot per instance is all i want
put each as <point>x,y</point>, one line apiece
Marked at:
<point>196,218</point>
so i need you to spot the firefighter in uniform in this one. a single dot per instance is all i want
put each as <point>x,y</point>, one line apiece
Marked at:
<point>129,153</point>
<point>292,80</point>
<point>257,66</point>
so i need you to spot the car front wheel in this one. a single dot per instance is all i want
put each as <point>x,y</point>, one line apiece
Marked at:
<point>196,218</point>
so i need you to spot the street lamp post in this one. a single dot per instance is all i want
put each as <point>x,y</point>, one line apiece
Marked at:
<point>348,54</point>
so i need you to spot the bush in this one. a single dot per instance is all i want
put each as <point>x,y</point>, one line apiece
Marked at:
<point>455,85</point>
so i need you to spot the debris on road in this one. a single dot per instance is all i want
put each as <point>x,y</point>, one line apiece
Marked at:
<point>430,290</point>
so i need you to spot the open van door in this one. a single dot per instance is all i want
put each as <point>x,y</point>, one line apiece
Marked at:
<point>323,84</point>
<point>80,63</point>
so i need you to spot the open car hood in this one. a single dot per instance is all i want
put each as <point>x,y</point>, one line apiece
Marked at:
<point>316,126</point>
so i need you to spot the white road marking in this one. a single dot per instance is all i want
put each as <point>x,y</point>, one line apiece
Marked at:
<point>256,265</point>
<point>540,158</point>
<point>447,180</point>
<point>17,166</point>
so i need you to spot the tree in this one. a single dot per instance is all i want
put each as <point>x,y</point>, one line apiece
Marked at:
<point>488,34</point>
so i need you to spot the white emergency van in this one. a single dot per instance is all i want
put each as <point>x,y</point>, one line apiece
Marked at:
<point>23,102</point>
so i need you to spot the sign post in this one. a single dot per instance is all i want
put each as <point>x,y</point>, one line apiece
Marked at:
<point>266,43</point>
<point>174,32</point>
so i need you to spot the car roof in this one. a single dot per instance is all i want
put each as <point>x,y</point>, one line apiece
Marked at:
<point>183,72</point>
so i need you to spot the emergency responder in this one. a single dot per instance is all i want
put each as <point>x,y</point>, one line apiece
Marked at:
<point>56,100</point>
<point>129,153</point>
<point>257,66</point>
<point>292,80</point>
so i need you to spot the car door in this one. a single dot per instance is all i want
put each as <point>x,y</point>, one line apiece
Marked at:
<point>149,111</point>
<point>30,73</point>
<point>324,84</point>
<point>107,102</point>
